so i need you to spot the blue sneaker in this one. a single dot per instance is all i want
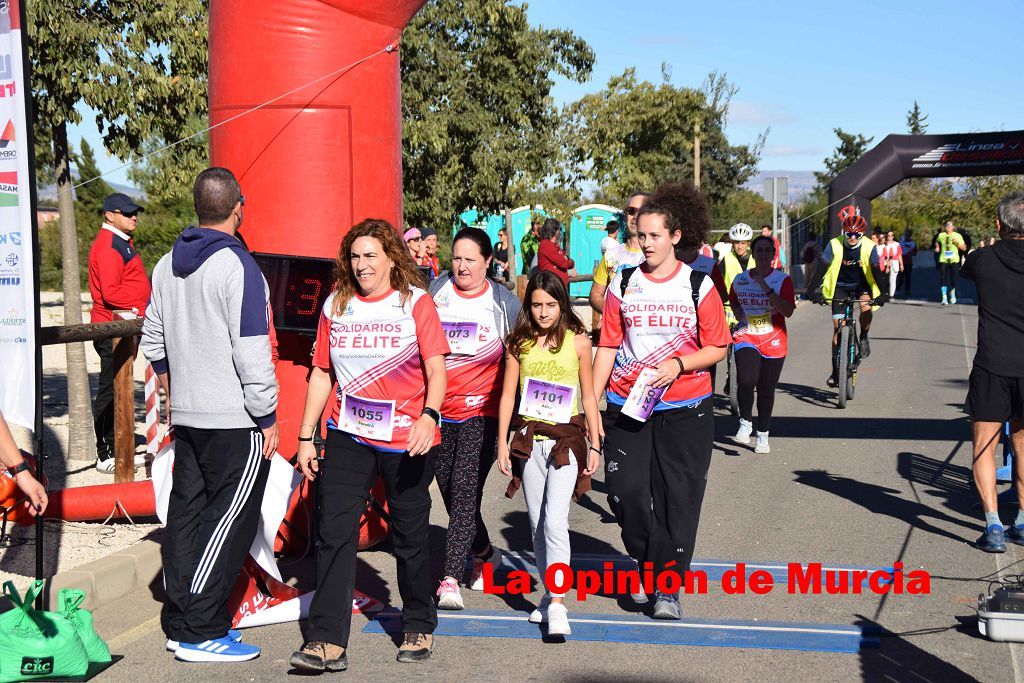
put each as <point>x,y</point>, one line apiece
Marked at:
<point>172,645</point>
<point>666,606</point>
<point>993,540</point>
<point>1015,534</point>
<point>219,650</point>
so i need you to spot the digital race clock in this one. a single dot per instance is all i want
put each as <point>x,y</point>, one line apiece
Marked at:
<point>299,285</point>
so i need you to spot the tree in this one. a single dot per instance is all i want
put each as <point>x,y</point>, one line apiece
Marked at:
<point>479,126</point>
<point>916,121</point>
<point>141,66</point>
<point>634,135</point>
<point>850,148</point>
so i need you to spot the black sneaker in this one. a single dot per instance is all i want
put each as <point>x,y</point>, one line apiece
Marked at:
<point>316,655</point>
<point>416,647</point>
<point>1015,534</point>
<point>832,381</point>
<point>865,347</point>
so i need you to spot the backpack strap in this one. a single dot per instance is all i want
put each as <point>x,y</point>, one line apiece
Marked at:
<point>626,274</point>
<point>696,280</point>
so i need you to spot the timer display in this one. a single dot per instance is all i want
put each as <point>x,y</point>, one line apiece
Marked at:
<point>299,285</point>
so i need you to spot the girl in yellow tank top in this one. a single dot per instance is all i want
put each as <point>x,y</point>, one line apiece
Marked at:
<point>549,365</point>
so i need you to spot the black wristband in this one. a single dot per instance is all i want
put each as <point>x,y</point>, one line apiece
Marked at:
<point>20,467</point>
<point>596,450</point>
<point>432,414</point>
<point>305,438</point>
<point>679,360</point>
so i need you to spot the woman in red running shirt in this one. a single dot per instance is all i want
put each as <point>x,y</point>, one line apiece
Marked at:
<point>762,298</point>
<point>664,326</point>
<point>476,315</point>
<point>381,340</point>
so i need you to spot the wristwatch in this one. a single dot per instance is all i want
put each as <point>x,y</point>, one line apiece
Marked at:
<point>12,472</point>
<point>432,414</point>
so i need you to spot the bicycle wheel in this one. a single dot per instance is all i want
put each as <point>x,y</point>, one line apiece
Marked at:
<point>851,384</point>
<point>734,392</point>
<point>845,340</point>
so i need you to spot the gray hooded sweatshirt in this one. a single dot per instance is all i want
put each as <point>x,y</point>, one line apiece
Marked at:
<point>206,325</point>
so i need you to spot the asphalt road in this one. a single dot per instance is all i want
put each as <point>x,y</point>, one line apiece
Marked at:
<point>886,480</point>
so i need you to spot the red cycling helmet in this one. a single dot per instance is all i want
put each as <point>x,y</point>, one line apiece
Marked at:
<point>851,219</point>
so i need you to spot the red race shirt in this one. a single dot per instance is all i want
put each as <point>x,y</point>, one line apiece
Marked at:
<point>761,327</point>
<point>655,321</point>
<point>477,353</point>
<point>376,349</point>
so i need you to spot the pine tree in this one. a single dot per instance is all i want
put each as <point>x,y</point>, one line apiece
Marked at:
<point>916,121</point>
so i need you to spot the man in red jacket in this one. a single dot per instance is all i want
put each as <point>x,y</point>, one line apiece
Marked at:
<point>550,255</point>
<point>118,282</point>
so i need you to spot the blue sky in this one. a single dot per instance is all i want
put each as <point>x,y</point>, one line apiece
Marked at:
<point>804,68</point>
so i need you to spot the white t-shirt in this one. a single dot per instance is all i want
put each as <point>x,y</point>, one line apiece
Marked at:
<point>607,243</point>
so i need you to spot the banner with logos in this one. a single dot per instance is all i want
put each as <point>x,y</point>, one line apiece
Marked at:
<point>17,282</point>
<point>898,157</point>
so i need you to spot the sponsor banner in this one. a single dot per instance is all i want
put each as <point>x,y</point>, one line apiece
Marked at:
<point>17,286</point>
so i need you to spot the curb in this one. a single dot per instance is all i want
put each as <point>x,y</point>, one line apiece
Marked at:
<point>109,578</point>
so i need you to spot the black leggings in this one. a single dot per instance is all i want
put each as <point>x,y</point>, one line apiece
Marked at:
<point>755,371</point>
<point>463,461</point>
<point>947,274</point>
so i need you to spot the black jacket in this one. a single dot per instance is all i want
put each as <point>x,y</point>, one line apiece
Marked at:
<point>998,272</point>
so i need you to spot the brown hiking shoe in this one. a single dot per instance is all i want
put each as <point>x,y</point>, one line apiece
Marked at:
<point>416,647</point>
<point>316,655</point>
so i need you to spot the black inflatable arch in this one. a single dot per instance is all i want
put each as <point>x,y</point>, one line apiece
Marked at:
<point>898,157</point>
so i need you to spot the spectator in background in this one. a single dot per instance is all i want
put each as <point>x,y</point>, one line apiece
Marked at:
<point>893,260</point>
<point>909,247</point>
<point>612,228</point>
<point>767,231</point>
<point>117,281</point>
<point>996,386</point>
<point>549,253</point>
<point>414,241</point>
<point>809,255</point>
<point>722,247</point>
<point>499,264</point>
<point>528,247</point>
<point>428,258</point>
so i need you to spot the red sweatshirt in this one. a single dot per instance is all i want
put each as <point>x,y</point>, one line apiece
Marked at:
<point>551,257</point>
<point>117,278</point>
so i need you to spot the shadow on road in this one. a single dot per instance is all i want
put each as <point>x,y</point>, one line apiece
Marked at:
<point>952,483</point>
<point>822,398</point>
<point>898,659</point>
<point>837,426</point>
<point>880,500</point>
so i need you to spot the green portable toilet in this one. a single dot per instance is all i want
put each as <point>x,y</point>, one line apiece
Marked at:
<point>586,232</point>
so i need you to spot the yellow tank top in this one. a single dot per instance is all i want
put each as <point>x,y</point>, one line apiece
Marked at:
<point>562,367</point>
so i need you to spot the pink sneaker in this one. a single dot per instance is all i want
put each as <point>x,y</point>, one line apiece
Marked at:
<point>448,595</point>
<point>476,579</point>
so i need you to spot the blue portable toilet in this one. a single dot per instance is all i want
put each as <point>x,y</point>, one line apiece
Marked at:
<point>586,232</point>
<point>474,219</point>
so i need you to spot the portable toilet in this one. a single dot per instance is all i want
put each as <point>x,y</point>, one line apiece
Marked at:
<point>586,232</point>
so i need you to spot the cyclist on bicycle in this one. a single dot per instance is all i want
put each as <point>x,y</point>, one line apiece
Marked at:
<point>851,269</point>
<point>737,260</point>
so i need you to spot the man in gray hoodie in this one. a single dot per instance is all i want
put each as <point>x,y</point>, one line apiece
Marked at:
<point>206,334</point>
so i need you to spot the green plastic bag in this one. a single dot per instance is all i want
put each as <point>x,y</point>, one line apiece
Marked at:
<point>38,645</point>
<point>70,599</point>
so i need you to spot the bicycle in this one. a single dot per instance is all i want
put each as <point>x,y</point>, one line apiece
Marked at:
<point>847,351</point>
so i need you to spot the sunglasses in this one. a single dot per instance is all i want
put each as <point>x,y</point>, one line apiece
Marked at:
<point>133,214</point>
<point>632,210</point>
<point>241,199</point>
<point>853,235</point>
<point>415,239</point>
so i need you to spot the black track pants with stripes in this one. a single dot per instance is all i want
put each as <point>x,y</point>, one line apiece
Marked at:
<point>656,472</point>
<point>214,511</point>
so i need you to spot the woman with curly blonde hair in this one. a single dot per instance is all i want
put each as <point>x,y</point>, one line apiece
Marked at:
<point>381,340</point>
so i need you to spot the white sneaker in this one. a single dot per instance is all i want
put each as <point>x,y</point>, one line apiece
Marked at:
<point>744,432</point>
<point>540,615</point>
<point>952,297</point>
<point>558,620</point>
<point>640,597</point>
<point>476,581</point>
<point>762,443</point>
<point>449,596</point>
<point>108,465</point>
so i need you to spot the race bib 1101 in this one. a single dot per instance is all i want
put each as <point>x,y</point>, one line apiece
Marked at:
<point>366,417</point>
<point>548,401</point>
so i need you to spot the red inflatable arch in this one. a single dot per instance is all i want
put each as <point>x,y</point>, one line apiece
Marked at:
<point>313,162</point>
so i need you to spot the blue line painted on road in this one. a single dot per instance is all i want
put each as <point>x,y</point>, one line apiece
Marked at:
<point>713,568</point>
<point>628,628</point>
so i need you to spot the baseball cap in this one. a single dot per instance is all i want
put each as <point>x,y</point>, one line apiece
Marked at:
<point>121,203</point>
<point>428,232</point>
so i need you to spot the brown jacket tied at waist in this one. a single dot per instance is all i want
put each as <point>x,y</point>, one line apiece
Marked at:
<point>567,437</point>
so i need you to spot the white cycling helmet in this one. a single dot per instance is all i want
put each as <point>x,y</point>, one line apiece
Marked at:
<point>741,232</point>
